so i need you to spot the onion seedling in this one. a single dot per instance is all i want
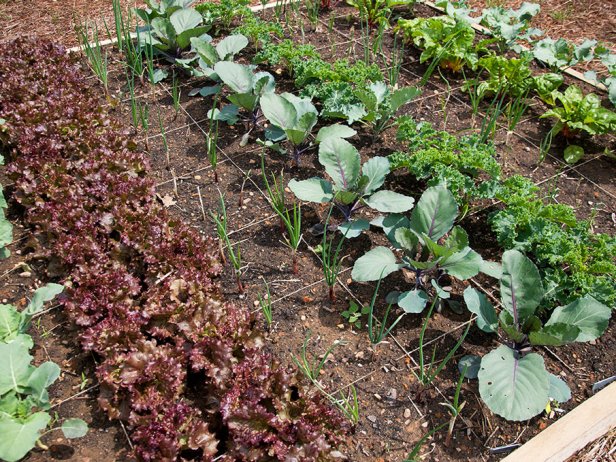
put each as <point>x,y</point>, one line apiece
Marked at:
<point>428,374</point>
<point>275,192</point>
<point>456,408</point>
<point>331,259</point>
<point>265,303</point>
<point>235,255</point>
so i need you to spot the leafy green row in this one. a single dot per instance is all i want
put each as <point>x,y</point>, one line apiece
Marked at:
<point>24,398</point>
<point>574,261</point>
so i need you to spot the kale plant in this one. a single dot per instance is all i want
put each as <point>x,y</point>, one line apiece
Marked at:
<point>468,168</point>
<point>432,247</point>
<point>353,185</point>
<point>573,260</point>
<point>513,380</point>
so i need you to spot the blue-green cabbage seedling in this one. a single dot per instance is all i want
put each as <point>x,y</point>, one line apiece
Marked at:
<point>353,185</point>
<point>431,247</point>
<point>513,380</point>
<point>293,119</point>
<point>248,87</point>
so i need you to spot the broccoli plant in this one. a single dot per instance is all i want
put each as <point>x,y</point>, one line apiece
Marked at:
<point>509,25</point>
<point>560,53</point>
<point>513,380</point>
<point>293,119</point>
<point>207,55</point>
<point>353,185</point>
<point>170,25</point>
<point>248,87</point>
<point>431,245</point>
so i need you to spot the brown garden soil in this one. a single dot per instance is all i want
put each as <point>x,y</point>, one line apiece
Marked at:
<point>395,410</point>
<point>574,20</point>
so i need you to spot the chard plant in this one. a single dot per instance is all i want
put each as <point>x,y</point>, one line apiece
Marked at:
<point>24,396</point>
<point>377,12</point>
<point>576,114</point>
<point>353,185</point>
<point>432,247</point>
<point>444,40</point>
<point>293,119</point>
<point>513,380</point>
<point>248,87</point>
<point>381,104</point>
<point>170,25</point>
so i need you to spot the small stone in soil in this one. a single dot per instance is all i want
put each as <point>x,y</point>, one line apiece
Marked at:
<point>372,418</point>
<point>407,413</point>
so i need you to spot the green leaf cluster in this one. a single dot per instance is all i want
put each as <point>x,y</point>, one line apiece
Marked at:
<point>205,55</point>
<point>6,228</point>
<point>377,12</point>
<point>447,40</point>
<point>170,25</point>
<point>222,13</point>
<point>431,245</point>
<point>353,185</point>
<point>510,25</point>
<point>24,399</point>
<point>575,112</point>
<point>292,119</point>
<point>513,381</point>
<point>246,86</point>
<point>258,31</point>
<point>573,260</point>
<point>467,167</point>
<point>509,76</point>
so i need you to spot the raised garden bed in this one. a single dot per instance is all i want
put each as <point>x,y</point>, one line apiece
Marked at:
<point>395,410</point>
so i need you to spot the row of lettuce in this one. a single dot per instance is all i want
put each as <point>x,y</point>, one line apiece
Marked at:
<point>183,368</point>
<point>561,295</point>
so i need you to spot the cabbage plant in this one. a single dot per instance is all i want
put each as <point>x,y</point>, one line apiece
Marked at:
<point>207,55</point>
<point>353,185</point>
<point>248,87</point>
<point>431,246</point>
<point>293,119</point>
<point>170,26</point>
<point>513,380</point>
<point>24,400</point>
